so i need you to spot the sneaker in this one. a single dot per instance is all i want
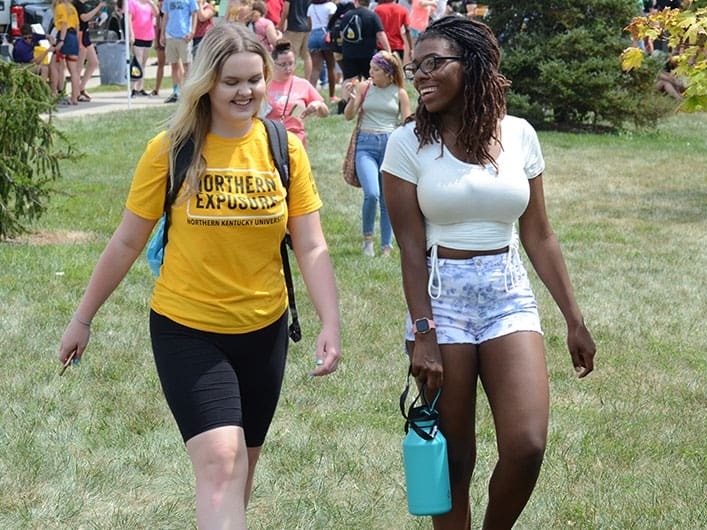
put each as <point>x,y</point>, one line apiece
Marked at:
<point>142,92</point>
<point>334,99</point>
<point>173,98</point>
<point>133,93</point>
<point>368,248</point>
<point>386,252</point>
<point>154,93</point>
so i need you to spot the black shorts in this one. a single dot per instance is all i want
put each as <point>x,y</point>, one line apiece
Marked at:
<point>353,68</point>
<point>85,38</point>
<point>212,380</point>
<point>141,43</point>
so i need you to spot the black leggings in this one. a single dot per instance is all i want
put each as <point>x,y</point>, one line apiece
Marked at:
<point>212,380</point>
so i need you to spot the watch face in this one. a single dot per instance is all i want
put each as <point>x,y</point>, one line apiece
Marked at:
<point>422,325</point>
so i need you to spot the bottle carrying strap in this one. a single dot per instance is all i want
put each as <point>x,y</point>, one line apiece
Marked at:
<point>425,412</point>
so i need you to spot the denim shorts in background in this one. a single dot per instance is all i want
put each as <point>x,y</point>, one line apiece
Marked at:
<point>71,44</point>
<point>316,40</point>
<point>482,298</point>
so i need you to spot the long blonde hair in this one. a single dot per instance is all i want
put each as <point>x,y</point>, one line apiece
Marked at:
<point>192,118</point>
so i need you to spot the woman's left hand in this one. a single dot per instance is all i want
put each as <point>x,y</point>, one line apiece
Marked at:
<point>582,349</point>
<point>328,352</point>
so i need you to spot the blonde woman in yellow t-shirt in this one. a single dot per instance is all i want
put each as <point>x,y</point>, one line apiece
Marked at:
<point>218,317</point>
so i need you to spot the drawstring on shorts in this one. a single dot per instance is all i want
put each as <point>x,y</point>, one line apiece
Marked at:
<point>511,273</point>
<point>435,280</point>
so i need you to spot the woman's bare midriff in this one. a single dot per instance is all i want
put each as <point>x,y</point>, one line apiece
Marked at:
<point>453,253</point>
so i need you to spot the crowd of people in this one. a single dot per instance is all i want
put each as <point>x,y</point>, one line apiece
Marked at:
<point>334,39</point>
<point>331,57</point>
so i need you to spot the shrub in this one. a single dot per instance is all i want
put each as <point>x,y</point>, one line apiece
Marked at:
<point>30,148</point>
<point>685,31</point>
<point>563,60</point>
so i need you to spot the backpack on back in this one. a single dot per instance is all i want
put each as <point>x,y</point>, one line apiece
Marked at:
<point>279,150</point>
<point>351,32</point>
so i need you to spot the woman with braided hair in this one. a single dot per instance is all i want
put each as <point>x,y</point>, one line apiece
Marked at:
<point>457,179</point>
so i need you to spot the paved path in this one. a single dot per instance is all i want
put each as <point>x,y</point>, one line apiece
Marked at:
<point>104,102</point>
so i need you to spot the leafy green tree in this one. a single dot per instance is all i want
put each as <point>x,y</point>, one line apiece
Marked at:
<point>686,33</point>
<point>30,148</point>
<point>562,58</point>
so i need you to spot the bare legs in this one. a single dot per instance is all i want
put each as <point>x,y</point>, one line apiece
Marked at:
<point>177,74</point>
<point>161,61</point>
<point>514,376</point>
<point>88,57</point>
<point>73,66</point>
<point>224,470</point>
<point>319,57</point>
<point>317,61</point>
<point>141,53</point>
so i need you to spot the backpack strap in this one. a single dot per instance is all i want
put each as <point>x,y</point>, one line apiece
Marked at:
<point>183,158</point>
<point>279,149</point>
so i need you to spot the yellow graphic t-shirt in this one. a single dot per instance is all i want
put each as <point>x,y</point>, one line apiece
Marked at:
<point>222,270</point>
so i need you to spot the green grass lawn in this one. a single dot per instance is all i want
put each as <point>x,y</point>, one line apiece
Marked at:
<point>98,449</point>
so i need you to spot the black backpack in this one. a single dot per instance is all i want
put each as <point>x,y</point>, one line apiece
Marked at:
<point>351,32</point>
<point>334,25</point>
<point>277,140</point>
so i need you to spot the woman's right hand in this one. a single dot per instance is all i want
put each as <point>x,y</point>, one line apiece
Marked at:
<point>349,89</point>
<point>426,362</point>
<point>74,341</point>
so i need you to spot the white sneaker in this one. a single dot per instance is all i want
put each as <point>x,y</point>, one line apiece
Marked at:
<point>368,248</point>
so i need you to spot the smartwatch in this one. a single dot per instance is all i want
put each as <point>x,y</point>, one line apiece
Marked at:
<point>423,325</point>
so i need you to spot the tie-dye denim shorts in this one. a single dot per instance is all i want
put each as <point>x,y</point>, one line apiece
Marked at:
<point>480,299</point>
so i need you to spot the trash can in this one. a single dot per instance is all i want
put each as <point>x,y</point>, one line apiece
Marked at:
<point>112,65</point>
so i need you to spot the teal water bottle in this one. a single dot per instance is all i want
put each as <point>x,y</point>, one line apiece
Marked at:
<point>425,460</point>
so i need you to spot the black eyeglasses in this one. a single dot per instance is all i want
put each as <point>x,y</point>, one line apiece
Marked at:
<point>427,65</point>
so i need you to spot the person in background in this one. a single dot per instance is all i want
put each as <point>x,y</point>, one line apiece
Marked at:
<point>319,12</point>
<point>264,27</point>
<point>66,21</point>
<point>292,99</point>
<point>274,11</point>
<point>456,180</point>
<point>420,16</point>
<point>295,26</point>
<point>384,104</point>
<point>396,24</point>
<point>142,35</point>
<point>88,58</point>
<point>218,314</point>
<point>178,27</point>
<point>204,23</point>
<point>358,53</point>
<point>159,50</point>
<point>23,51</point>
<point>240,11</point>
<point>334,27</point>
<point>116,22</point>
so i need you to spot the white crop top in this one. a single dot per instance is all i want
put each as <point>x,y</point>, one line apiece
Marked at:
<point>468,206</point>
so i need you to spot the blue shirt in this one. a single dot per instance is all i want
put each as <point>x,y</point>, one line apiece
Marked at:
<point>23,51</point>
<point>178,17</point>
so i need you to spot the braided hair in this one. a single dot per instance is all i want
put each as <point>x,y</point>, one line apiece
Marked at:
<point>484,87</point>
